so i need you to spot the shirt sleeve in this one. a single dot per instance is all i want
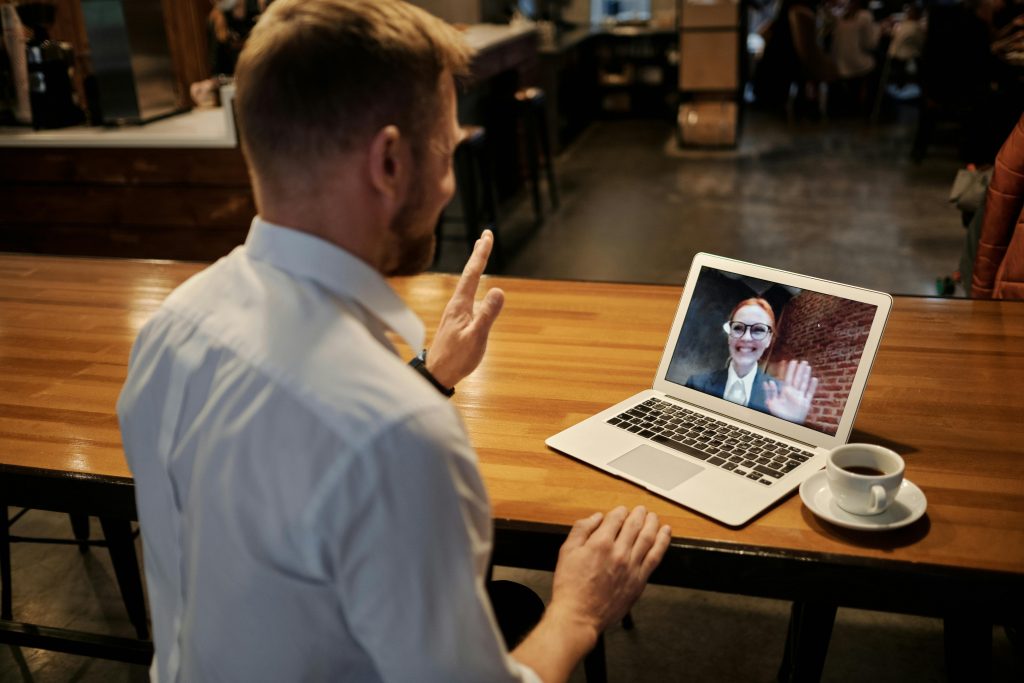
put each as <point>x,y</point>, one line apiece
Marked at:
<point>406,542</point>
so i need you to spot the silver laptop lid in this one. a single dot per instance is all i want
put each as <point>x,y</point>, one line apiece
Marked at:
<point>762,323</point>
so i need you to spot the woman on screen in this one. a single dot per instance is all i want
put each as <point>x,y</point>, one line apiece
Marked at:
<point>749,331</point>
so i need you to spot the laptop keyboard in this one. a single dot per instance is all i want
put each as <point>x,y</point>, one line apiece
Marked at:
<point>744,453</point>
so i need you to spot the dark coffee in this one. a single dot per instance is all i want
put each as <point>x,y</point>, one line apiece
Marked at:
<point>866,471</point>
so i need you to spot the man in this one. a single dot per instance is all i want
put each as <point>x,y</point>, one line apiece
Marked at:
<point>310,506</point>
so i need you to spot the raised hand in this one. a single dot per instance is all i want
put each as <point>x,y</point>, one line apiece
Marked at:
<point>791,400</point>
<point>461,337</point>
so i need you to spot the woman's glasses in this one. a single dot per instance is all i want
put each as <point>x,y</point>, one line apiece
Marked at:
<point>736,330</point>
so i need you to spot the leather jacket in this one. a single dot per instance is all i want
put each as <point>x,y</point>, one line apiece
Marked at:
<point>999,263</point>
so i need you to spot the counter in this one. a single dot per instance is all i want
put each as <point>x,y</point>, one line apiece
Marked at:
<point>199,128</point>
<point>178,188</point>
<point>485,37</point>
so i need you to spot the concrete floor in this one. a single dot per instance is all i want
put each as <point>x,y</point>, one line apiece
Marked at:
<point>836,200</point>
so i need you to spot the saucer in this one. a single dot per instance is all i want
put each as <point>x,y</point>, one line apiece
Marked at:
<point>908,507</point>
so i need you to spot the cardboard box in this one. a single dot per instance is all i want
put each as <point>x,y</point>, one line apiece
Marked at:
<point>708,124</point>
<point>708,60</point>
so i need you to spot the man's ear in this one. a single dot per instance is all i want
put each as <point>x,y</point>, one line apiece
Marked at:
<point>388,162</point>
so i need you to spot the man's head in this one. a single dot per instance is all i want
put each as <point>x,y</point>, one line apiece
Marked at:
<point>321,76</point>
<point>320,81</point>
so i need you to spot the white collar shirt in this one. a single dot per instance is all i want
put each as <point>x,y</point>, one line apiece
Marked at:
<point>311,508</point>
<point>747,382</point>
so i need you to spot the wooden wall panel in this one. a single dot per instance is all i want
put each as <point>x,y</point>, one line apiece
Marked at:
<point>192,204</point>
<point>212,167</point>
<point>127,205</point>
<point>126,241</point>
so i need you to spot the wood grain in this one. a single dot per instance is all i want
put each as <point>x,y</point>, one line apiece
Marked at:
<point>943,393</point>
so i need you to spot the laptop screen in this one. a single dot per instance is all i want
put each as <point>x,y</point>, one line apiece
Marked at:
<point>788,352</point>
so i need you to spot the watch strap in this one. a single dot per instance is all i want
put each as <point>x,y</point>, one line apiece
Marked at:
<point>419,364</point>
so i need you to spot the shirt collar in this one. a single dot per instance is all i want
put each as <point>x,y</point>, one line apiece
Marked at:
<point>748,380</point>
<point>306,256</point>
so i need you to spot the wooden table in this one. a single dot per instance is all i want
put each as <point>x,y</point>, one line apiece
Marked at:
<point>944,393</point>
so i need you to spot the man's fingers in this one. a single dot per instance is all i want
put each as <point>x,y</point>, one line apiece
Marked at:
<point>645,539</point>
<point>488,309</point>
<point>582,530</point>
<point>657,551</point>
<point>630,530</point>
<point>474,268</point>
<point>611,524</point>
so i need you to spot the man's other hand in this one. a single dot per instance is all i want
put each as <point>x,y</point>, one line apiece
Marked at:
<point>604,565</point>
<point>461,336</point>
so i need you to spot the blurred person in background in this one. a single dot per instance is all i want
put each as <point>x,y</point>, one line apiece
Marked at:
<point>855,38</point>
<point>793,59</point>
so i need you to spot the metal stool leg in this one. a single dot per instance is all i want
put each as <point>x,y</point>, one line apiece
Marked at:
<point>533,163</point>
<point>810,629</point>
<point>490,203</point>
<point>627,621</point>
<point>466,177</point>
<point>5,564</point>
<point>474,177</point>
<point>531,106</point>
<point>121,544</point>
<point>594,665</point>
<point>968,645</point>
<point>439,236</point>
<point>545,147</point>
<point>80,528</point>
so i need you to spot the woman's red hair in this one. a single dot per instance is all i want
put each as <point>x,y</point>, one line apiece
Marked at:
<point>760,303</point>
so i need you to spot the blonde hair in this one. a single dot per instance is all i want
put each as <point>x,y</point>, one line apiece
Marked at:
<point>318,77</point>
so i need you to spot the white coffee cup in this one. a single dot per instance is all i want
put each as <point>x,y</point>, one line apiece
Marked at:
<point>864,478</point>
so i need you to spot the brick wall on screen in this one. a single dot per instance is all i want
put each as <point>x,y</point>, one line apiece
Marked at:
<point>829,333</point>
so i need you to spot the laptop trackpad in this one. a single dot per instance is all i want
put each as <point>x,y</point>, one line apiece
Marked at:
<point>655,467</point>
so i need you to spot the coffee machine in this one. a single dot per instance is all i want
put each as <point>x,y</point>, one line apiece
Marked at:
<point>50,64</point>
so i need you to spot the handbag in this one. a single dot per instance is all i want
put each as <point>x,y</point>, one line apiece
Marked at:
<point>969,187</point>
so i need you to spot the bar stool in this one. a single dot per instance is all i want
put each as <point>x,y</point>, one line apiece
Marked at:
<point>531,105</point>
<point>120,542</point>
<point>476,190</point>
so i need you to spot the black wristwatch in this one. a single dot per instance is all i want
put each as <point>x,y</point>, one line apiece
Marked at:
<point>419,364</point>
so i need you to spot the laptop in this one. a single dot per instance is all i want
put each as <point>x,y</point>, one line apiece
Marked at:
<point>761,376</point>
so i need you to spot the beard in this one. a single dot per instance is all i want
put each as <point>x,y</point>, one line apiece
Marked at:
<point>414,255</point>
<point>414,252</point>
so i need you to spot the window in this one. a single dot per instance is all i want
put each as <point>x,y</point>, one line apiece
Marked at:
<point>619,10</point>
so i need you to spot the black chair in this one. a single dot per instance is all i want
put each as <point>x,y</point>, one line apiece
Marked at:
<point>518,609</point>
